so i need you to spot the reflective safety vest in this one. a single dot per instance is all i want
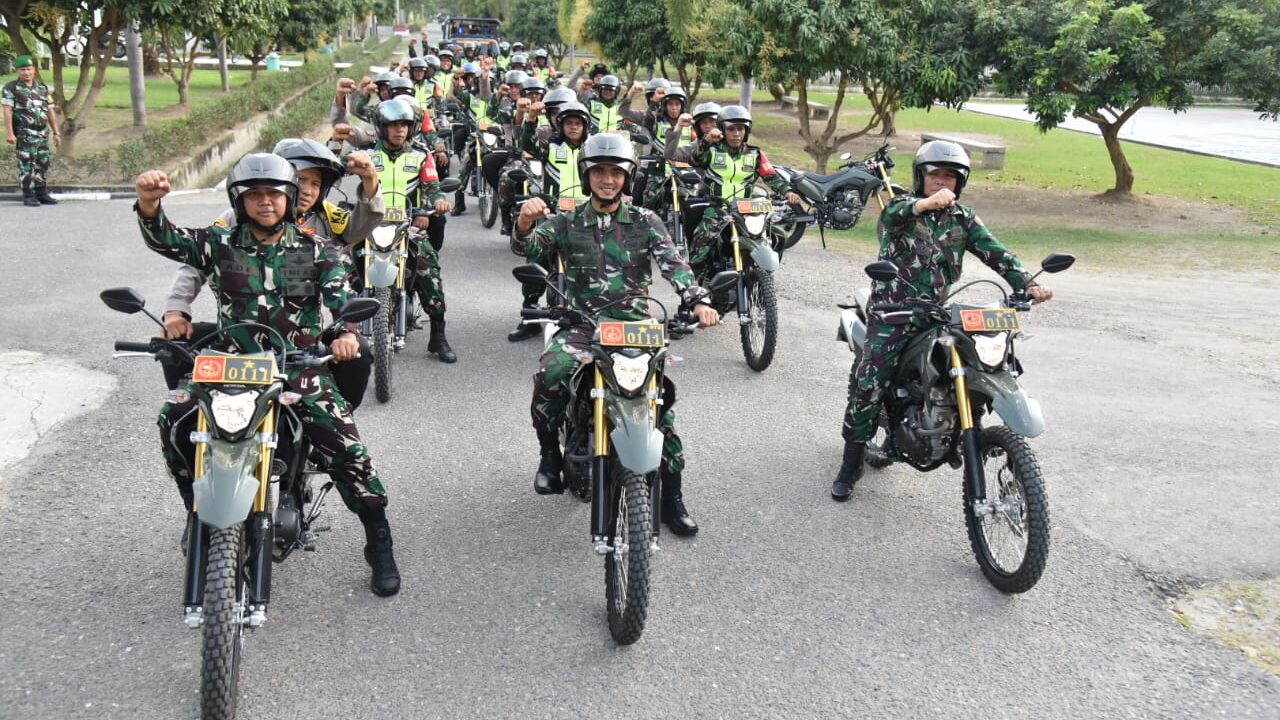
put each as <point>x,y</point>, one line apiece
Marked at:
<point>561,169</point>
<point>400,177</point>
<point>607,117</point>
<point>445,81</point>
<point>661,128</point>
<point>479,108</point>
<point>426,93</point>
<point>734,175</point>
<point>542,73</point>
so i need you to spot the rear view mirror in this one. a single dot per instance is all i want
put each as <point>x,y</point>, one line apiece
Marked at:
<point>532,273</point>
<point>723,280</point>
<point>358,310</point>
<point>882,270</point>
<point>641,137</point>
<point>1057,262</point>
<point>125,300</point>
<point>449,185</point>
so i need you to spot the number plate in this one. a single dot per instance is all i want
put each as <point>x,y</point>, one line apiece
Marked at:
<point>754,207</point>
<point>233,369</point>
<point>393,215</point>
<point>678,164</point>
<point>567,204</point>
<point>633,334</point>
<point>1000,320</point>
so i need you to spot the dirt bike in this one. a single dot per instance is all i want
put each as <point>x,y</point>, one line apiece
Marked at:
<point>948,377</point>
<point>252,485</point>
<point>836,200</point>
<point>680,182</point>
<point>382,257</point>
<point>612,445</point>
<point>747,247</point>
<point>485,138</point>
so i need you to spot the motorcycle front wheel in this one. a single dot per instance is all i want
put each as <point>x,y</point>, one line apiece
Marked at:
<point>760,332</point>
<point>383,337</point>
<point>626,567</point>
<point>488,205</point>
<point>224,595</point>
<point>1010,536</point>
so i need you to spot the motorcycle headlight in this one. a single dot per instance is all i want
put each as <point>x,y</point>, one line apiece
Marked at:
<point>630,372</point>
<point>535,168</point>
<point>991,348</point>
<point>232,413</point>
<point>489,140</point>
<point>384,237</point>
<point>754,223</point>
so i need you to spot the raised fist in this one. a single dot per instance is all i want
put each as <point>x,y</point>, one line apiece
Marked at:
<point>152,185</point>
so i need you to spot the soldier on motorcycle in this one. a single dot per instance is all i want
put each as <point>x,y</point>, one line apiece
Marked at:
<point>266,243</point>
<point>607,244</point>
<point>926,235</point>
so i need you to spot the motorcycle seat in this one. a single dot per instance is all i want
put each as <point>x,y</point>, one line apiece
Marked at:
<point>822,179</point>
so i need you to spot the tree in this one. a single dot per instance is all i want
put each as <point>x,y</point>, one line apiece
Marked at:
<point>252,26</point>
<point>1103,62</point>
<point>535,23</point>
<point>638,35</point>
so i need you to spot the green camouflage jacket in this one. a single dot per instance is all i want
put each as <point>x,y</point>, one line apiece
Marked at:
<point>607,257</point>
<point>929,250</point>
<point>31,104</point>
<point>281,285</point>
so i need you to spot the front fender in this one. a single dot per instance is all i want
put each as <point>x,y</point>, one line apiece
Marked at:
<point>383,270</point>
<point>1019,411</point>
<point>766,257</point>
<point>224,495</point>
<point>635,439</point>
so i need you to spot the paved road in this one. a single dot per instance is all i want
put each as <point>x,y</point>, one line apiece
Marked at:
<point>1158,460</point>
<point>1235,133</point>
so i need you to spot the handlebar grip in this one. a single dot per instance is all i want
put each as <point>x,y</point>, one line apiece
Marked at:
<point>126,346</point>
<point>535,313</point>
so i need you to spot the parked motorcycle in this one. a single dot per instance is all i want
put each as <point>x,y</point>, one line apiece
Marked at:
<point>384,255</point>
<point>612,445</point>
<point>948,378</point>
<point>837,200</point>
<point>254,503</point>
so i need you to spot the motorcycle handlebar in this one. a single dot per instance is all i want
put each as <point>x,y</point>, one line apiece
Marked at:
<point>127,346</point>
<point>535,313</point>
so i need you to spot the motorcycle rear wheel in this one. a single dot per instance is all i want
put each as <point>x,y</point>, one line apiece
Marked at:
<point>760,334</point>
<point>1011,544</point>
<point>383,337</point>
<point>626,567</point>
<point>224,597</point>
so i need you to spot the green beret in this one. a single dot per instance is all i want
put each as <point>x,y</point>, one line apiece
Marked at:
<point>22,61</point>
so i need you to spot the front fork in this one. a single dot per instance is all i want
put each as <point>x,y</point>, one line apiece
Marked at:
<point>970,447</point>
<point>744,310</point>
<point>602,506</point>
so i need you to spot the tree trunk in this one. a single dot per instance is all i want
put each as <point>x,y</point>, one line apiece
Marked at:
<point>1124,173</point>
<point>151,61</point>
<point>888,123</point>
<point>137,87</point>
<point>222,64</point>
<point>777,91</point>
<point>253,70</point>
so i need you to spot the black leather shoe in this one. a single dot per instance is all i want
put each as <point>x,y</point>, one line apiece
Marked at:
<point>850,471</point>
<point>459,205</point>
<point>44,198</point>
<point>439,344</point>
<point>676,516</point>
<point>523,332</point>
<point>547,480</point>
<point>385,580</point>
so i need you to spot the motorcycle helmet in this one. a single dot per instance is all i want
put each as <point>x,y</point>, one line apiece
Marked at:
<point>558,97</point>
<point>610,81</point>
<point>383,79</point>
<point>677,93</point>
<point>705,110</point>
<point>305,153</point>
<point>433,62</point>
<point>940,154</point>
<point>572,108</point>
<point>470,69</point>
<point>735,115</point>
<point>515,77</point>
<point>394,111</point>
<point>519,59</point>
<point>517,46</point>
<point>399,87</point>
<point>258,170</point>
<point>606,148</point>
<point>417,64</point>
<point>653,86</point>
<point>533,84</point>
<point>540,54</point>
<point>504,47</point>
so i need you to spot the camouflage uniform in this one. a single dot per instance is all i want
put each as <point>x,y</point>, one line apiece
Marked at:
<point>281,286</point>
<point>929,249</point>
<point>704,156</point>
<point>606,257</point>
<point>31,104</point>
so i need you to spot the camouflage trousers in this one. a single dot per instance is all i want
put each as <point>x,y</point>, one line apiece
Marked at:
<point>507,186</point>
<point>424,256</point>
<point>33,163</point>
<point>551,394</point>
<point>702,242</point>
<point>326,423</point>
<point>872,375</point>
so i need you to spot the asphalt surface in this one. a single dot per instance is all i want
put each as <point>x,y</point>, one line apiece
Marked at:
<point>1158,463</point>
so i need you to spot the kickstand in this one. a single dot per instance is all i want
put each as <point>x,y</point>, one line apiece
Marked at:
<point>822,233</point>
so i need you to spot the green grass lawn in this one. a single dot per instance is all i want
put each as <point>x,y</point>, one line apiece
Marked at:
<point>1063,159</point>
<point>162,91</point>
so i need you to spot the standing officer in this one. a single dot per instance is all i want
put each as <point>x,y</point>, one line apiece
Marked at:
<point>29,118</point>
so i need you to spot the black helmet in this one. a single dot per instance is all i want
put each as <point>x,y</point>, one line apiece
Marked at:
<point>610,81</point>
<point>305,153</point>
<point>533,84</point>
<point>393,111</point>
<point>417,64</point>
<point>940,154</point>
<point>573,108</point>
<point>606,148</point>
<point>400,86</point>
<point>654,85</point>
<point>735,115</point>
<point>704,110</point>
<point>263,170</point>
<point>515,77</point>
<point>559,96</point>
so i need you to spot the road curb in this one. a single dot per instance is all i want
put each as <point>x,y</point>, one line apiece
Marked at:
<point>86,194</point>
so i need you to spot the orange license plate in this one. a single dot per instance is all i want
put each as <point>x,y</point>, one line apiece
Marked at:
<point>754,207</point>
<point>999,320</point>
<point>232,369</point>
<point>633,334</point>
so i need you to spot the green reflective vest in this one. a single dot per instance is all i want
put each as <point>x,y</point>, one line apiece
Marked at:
<point>399,178</point>
<point>445,79</point>
<point>661,129</point>
<point>734,175</point>
<point>562,170</point>
<point>607,117</point>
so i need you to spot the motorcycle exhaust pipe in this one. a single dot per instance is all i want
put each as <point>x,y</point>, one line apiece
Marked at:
<point>197,549</point>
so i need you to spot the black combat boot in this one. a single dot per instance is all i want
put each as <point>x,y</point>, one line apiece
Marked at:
<point>377,552</point>
<point>850,471</point>
<point>674,513</point>
<point>29,199</point>
<point>505,211</point>
<point>547,479</point>
<point>459,203</point>
<point>43,197</point>
<point>439,344</point>
<point>523,331</point>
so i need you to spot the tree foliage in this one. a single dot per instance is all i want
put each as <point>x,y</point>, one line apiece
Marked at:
<point>535,23</point>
